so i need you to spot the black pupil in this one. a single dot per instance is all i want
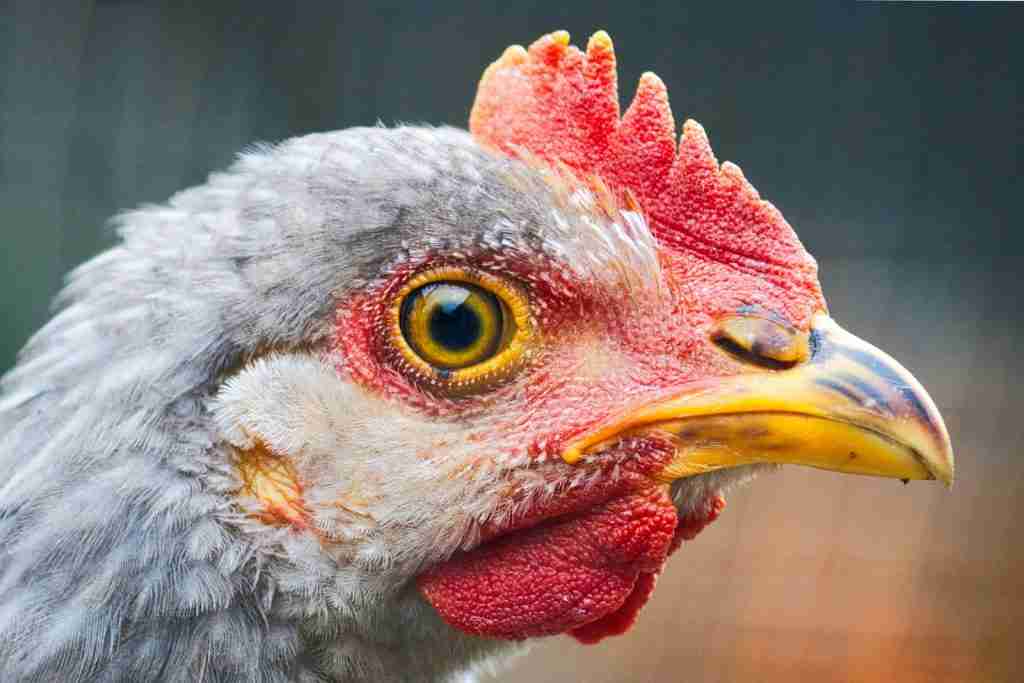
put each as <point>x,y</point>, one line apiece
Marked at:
<point>453,324</point>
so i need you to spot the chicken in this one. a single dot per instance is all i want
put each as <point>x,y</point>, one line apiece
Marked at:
<point>383,404</point>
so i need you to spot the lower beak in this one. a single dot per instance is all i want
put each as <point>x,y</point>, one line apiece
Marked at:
<point>849,408</point>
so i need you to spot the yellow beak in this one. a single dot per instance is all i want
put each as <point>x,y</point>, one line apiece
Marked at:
<point>849,408</point>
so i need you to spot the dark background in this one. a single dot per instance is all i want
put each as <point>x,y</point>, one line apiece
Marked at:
<point>888,134</point>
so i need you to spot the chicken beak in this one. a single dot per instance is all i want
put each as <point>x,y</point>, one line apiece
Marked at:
<point>849,408</point>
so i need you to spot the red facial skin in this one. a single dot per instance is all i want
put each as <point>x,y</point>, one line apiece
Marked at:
<point>585,563</point>
<point>586,560</point>
<point>567,567</point>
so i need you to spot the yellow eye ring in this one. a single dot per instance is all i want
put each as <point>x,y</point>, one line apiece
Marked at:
<point>460,329</point>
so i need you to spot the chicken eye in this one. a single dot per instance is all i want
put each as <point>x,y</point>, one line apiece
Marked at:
<point>459,330</point>
<point>453,325</point>
<point>761,340</point>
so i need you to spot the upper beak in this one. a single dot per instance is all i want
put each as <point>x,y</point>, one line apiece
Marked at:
<point>849,408</point>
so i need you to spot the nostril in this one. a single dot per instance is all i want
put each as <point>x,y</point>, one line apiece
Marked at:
<point>751,356</point>
<point>762,341</point>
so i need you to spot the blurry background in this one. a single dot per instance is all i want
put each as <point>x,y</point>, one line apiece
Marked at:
<point>889,135</point>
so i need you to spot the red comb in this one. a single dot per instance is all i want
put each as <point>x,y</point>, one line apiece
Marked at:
<point>561,105</point>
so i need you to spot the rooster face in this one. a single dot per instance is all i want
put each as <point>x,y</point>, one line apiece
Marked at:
<point>527,399</point>
<point>376,393</point>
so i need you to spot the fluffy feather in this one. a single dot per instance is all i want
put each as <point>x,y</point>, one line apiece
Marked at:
<point>125,555</point>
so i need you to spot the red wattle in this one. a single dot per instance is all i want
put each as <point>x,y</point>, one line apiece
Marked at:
<point>618,622</point>
<point>596,568</point>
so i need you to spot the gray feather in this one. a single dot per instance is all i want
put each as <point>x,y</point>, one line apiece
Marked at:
<point>119,560</point>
